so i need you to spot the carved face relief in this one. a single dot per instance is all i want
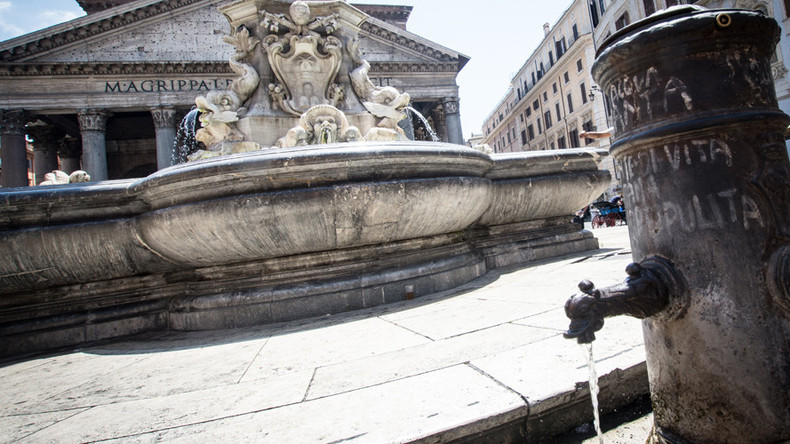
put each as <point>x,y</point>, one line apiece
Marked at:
<point>325,129</point>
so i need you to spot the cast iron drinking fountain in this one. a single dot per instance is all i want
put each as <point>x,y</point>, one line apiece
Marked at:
<point>701,152</point>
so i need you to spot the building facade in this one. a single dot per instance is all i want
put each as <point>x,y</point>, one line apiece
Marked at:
<point>552,98</point>
<point>107,91</point>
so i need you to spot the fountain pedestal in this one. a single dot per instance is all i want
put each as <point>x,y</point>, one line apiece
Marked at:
<point>701,152</point>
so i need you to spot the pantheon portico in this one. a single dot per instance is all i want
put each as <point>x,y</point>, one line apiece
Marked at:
<point>106,92</point>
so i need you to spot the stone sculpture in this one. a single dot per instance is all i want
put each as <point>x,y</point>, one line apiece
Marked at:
<point>305,60</point>
<point>385,102</point>
<point>221,109</point>
<point>305,54</point>
<point>58,177</point>
<point>321,124</point>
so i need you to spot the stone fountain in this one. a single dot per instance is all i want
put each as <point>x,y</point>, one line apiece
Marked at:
<point>700,147</point>
<point>308,199</point>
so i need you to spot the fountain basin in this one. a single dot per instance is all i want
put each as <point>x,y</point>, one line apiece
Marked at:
<point>278,235</point>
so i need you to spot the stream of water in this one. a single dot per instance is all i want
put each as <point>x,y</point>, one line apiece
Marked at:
<point>594,390</point>
<point>424,121</point>
<point>185,143</point>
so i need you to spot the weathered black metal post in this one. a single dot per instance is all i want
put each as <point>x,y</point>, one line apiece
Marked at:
<point>701,153</point>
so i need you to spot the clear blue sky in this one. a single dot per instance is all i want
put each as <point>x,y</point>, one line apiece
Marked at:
<point>497,35</point>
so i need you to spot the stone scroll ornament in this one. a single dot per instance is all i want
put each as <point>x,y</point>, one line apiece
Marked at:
<point>221,109</point>
<point>305,59</point>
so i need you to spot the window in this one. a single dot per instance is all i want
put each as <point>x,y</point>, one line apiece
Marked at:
<point>554,87</point>
<point>672,3</point>
<point>573,137</point>
<point>523,137</point>
<point>551,147</point>
<point>551,58</point>
<point>513,131</point>
<point>603,8</point>
<point>579,65</point>
<point>594,13</point>
<point>584,93</point>
<point>557,108</point>
<point>545,96</point>
<point>521,117</point>
<point>650,7</point>
<point>535,105</point>
<point>576,30</point>
<point>529,111</point>
<point>570,103</point>
<point>566,77</point>
<point>588,126</point>
<point>540,129</point>
<point>547,119</point>
<point>508,137</point>
<point>622,21</point>
<point>531,132</point>
<point>560,47</point>
<point>561,142</point>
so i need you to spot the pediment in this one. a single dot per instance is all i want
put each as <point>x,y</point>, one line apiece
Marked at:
<point>167,32</point>
<point>385,43</point>
<point>144,30</point>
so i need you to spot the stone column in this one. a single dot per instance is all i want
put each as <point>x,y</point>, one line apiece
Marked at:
<point>452,120</point>
<point>94,149</point>
<point>12,144</point>
<point>70,151</point>
<point>46,141</point>
<point>165,124</point>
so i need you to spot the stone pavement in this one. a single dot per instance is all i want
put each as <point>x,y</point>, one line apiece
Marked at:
<point>485,361</point>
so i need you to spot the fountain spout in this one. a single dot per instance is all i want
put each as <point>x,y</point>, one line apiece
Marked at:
<point>648,290</point>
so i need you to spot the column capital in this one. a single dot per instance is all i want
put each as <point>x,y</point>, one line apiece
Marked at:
<point>164,117</point>
<point>93,119</point>
<point>450,105</point>
<point>12,121</point>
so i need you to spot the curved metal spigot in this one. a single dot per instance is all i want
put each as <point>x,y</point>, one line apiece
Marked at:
<point>646,292</point>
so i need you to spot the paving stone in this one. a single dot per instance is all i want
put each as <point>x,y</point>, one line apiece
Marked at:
<point>179,410</point>
<point>401,411</point>
<point>423,358</point>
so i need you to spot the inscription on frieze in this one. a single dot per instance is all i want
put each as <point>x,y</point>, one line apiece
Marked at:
<point>164,85</point>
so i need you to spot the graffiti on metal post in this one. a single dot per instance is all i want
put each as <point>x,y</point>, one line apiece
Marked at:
<point>640,97</point>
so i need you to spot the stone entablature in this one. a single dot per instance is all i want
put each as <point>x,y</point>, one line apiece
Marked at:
<point>112,68</point>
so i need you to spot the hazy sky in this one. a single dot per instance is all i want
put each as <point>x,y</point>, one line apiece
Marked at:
<point>497,35</point>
